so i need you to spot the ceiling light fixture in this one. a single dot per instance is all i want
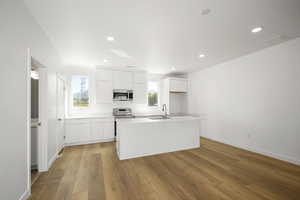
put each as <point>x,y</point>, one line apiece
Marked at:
<point>34,75</point>
<point>110,38</point>
<point>105,61</point>
<point>257,29</point>
<point>173,68</point>
<point>201,56</point>
<point>205,11</point>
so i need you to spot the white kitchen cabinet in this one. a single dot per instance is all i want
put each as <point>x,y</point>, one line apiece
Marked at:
<point>89,130</point>
<point>108,129</point>
<point>174,95</point>
<point>122,80</point>
<point>77,130</point>
<point>140,93</point>
<point>178,85</point>
<point>104,75</point>
<point>96,129</point>
<point>139,77</point>
<point>104,92</point>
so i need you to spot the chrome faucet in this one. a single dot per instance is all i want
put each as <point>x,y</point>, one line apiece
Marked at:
<point>164,109</point>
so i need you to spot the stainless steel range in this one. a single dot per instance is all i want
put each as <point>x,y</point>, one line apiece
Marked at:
<point>121,113</point>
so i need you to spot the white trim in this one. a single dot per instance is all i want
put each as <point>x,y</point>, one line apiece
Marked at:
<point>25,195</point>
<point>262,152</point>
<point>60,146</point>
<point>28,126</point>
<point>51,161</point>
<point>43,118</point>
<point>90,142</point>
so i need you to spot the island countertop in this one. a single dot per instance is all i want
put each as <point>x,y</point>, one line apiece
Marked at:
<point>154,119</point>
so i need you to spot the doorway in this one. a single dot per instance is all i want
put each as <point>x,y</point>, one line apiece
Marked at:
<point>36,119</point>
<point>34,122</point>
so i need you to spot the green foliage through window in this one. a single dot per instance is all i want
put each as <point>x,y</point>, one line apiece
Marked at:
<point>80,91</point>
<point>152,93</point>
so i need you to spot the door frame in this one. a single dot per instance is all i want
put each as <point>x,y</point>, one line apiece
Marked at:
<point>61,78</point>
<point>43,129</point>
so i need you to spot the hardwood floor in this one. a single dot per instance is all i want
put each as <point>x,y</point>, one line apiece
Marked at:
<point>214,171</point>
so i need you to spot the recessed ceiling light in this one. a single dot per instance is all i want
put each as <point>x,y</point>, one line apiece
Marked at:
<point>173,68</point>
<point>110,38</point>
<point>257,29</point>
<point>205,11</point>
<point>105,61</point>
<point>201,56</point>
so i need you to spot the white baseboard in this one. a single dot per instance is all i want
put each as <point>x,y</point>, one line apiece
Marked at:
<point>51,161</point>
<point>90,142</point>
<point>261,151</point>
<point>25,195</point>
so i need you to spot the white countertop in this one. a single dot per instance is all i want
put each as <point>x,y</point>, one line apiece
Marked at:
<point>90,117</point>
<point>149,120</point>
<point>138,116</point>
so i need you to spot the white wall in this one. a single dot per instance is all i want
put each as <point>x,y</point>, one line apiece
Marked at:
<point>18,32</point>
<point>253,101</point>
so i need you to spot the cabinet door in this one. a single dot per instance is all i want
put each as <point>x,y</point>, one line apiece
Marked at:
<point>122,80</point>
<point>178,85</point>
<point>103,75</point>
<point>140,77</point>
<point>77,131</point>
<point>108,131</point>
<point>104,92</point>
<point>140,93</point>
<point>97,130</point>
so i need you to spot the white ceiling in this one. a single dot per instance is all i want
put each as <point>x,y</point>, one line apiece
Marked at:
<point>160,34</point>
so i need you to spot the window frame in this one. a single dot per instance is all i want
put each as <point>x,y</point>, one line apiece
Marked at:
<point>73,110</point>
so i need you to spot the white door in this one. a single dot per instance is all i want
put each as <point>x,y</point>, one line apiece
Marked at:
<point>60,113</point>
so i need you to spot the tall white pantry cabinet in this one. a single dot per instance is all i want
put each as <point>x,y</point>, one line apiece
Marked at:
<point>174,95</point>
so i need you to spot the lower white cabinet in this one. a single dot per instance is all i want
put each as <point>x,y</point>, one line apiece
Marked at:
<point>77,130</point>
<point>84,131</point>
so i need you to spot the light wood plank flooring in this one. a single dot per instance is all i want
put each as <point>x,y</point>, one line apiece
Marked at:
<point>214,171</point>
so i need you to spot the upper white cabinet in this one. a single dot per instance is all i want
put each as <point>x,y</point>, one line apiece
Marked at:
<point>140,87</point>
<point>122,80</point>
<point>174,95</point>
<point>140,93</point>
<point>104,75</point>
<point>178,85</point>
<point>104,92</point>
<point>140,77</point>
<point>104,86</point>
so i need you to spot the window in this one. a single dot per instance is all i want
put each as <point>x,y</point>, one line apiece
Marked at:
<point>153,93</point>
<point>80,91</point>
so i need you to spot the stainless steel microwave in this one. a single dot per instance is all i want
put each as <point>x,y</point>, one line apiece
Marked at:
<point>122,95</point>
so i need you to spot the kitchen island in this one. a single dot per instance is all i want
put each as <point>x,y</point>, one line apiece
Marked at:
<point>139,137</point>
